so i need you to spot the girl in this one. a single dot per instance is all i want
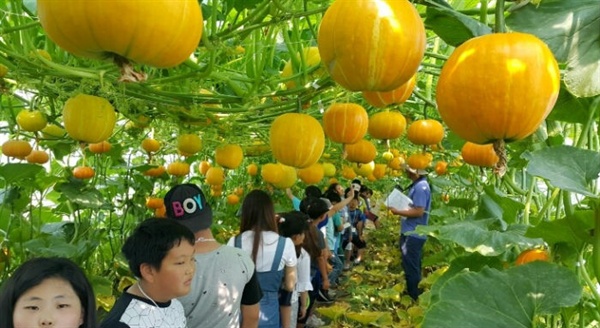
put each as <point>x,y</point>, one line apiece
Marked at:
<point>274,256</point>
<point>46,292</point>
<point>293,226</point>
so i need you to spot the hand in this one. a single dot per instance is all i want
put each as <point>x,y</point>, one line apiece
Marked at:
<point>302,311</point>
<point>325,284</point>
<point>351,192</point>
<point>361,237</point>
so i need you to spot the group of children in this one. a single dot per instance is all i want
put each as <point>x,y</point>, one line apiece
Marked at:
<point>270,275</point>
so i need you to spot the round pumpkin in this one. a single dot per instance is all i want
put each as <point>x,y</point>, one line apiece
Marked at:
<point>83,172</point>
<point>189,144</point>
<point>379,171</point>
<point>16,148</point>
<point>88,118</point>
<point>425,132</point>
<point>233,199</point>
<point>361,152</point>
<point>512,81</point>
<point>311,59</point>
<point>479,155</point>
<point>159,33</point>
<point>203,167</point>
<point>312,174</point>
<point>329,169</point>
<point>441,168</point>
<point>155,172</point>
<point>37,157</point>
<point>100,147</point>
<point>387,125</point>
<point>531,255</point>
<point>419,160</point>
<point>154,203</point>
<point>364,170</point>
<point>297,139</point>
<point>271,173</point>
<point>288,177</point>
<point>53,131</point>
<point>252,169</point>
<point>345,123</point>
<point>229,156</point>
<point>348,173</point>
<point>31,120</point>
<point>178,169</point>
<point>371,45</point>
<point>396,163</point>
<point>215,176</point>
<point>397,96</point>
<point>150,145</point>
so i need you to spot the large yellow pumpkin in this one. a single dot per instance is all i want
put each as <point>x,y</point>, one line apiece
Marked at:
<point>88,118</point>
<point>297,139</point>
<point>479,155</point>
<point>387,125</point>
<point>498,87</point>
<point>229,156</point>
<point>397,96</point>
<point>159,33</point>
<point>425,132</point>
<point>345,123</point>
<point>361,152</point>
<point>374,45</point>
<point>312,174</point>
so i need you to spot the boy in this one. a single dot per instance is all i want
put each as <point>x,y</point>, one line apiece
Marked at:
<point>225,290</point>
<point>357,219</point>
<point>160,253</point>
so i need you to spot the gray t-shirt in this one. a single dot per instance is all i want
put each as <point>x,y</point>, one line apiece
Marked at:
<point>217,289</point>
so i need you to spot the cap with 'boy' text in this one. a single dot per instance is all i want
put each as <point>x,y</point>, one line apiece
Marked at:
<point>187,205</point>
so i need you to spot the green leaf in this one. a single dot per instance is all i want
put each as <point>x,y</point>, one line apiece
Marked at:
<point>481,236</point>
<point>453,27</point>
<point>570,109</point>
<point>495,204</point>
<point>16,172</point>
<point>511,298</point>
<point>571,28</point>
<point>566,167</point>
<point>574,230</point>
<point>80,194</point>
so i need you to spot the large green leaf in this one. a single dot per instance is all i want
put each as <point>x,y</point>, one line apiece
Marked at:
<point>16,172</point>
<point>483,236</point>
<point>571,28</point>
<point>80,194</point>
<point>574,230</point>
<point>566,167</point>
<point>452,26</point>
<point>495,204</point>
<point>571,109</point>
<point>511,298</point>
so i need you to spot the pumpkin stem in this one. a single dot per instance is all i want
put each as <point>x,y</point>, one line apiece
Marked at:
<point>344,152</point>
<point>128,74</point>
<point>500,149</point>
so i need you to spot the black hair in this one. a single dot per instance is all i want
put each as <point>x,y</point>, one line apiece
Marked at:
<point>258,215</point>
<point>152,240</point>
<point>292,223</point>
<point>312,191</point>
<point>333,197</point>
<point>314,207</point>
<point>33,272</point>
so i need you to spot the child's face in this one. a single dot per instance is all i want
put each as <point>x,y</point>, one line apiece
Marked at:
<point>298,239</point>
<point>53,303</point>
<point>339,189</point>
<point>353,204</point>
<point>176,271</point>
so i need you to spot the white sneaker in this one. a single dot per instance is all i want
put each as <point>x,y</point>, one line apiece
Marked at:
<point>313,322</point>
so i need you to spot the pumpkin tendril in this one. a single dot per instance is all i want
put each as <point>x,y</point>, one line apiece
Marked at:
<point>500,149</point>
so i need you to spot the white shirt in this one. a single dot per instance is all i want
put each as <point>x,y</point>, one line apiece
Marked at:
<point>266,251</point>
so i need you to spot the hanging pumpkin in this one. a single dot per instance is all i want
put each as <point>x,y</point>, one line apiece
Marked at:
<point>229,156</point>
<point>371,45</point>
<point>397,96</point>
<point>379,171</point>
<point>100,147</point>
<point>387,125</point>
<point>479,155</point>
<point>348,173</point>
<point>38,157</point>
<point>425,132</point>
<point>271,173</point>
<point>345,123</point>
<point>513,82</point>
<point>16,148</point>
<point>297,139</point>
<point>88,118</point>
<point>288,177</point>
<point>215,176</point>
<point>531,255</point>
<point>328,169</point>
<point>159,33</point>
<point>419,160</point>
<point>189,144</point>
<point>364,170</point>
<point>312,174</point>
<point>361,152</point>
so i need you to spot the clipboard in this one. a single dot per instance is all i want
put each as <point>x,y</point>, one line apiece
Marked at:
<point>398,200</point>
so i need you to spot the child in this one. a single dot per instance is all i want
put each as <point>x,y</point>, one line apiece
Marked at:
<point>47,292</point>
<point>357,220</point>
<point>160,253</point>
<point>293,225</point>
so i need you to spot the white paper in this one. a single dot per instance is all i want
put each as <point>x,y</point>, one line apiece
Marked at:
<point>398,200</point>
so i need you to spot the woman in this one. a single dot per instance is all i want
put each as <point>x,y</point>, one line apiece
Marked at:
<point>274,256</point>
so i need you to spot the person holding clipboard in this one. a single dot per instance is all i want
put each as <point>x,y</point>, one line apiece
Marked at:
<point>415,213</point>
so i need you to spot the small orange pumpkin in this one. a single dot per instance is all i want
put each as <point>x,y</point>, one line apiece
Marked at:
<point>38,157</point>
<point>252,169</point>
<point>387,125</point>
<point>312,174</point>
<point>441,167</point>
<point>419,160</point>
<point>361,152</point>
<point>16,148</point>
<point>397,96</point>
<point>203,167</point>
<point>178,169</point>
<point>215,176</point>
<point>425,132</point>
<point>155,172</point>
<point>100,147</point>
<point>233,199</point>
<point>297,139</point>
<point>345,123</point>
<point>531,255</point>
<point>83,172</point>
<point>154,203</point>
<point>479,155</point>
<point>150,145</point>
<point>189,144</point>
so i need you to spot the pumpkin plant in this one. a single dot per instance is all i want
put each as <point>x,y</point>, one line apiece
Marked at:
<point>346,123</point>
<point>89,118</point>
<point>387,125</point>
<point>513,81</point>
<point>479,155</point>
<point>297,139</point>
<point>425,132</point>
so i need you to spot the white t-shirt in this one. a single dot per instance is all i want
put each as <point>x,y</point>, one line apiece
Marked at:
<point>303,274</point>
<point>266,251</point>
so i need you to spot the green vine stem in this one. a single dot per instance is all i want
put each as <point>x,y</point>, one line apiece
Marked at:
<point>596,242</point>
<point>483,12</point>
<point>586,128</point>
<point>499,26</point>
<point>587,279</point>
<point>528,201</point>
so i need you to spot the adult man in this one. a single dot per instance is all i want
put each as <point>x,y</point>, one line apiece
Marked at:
<point>225,284</point>
<point>411,245</point>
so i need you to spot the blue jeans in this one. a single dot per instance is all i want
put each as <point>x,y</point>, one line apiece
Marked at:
<point>411,249</point>
<point>337,265</point>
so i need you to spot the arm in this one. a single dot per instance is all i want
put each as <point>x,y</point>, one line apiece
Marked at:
<point>289,280</point>
<point>249,317</point>
<point>359,229</point>
<point>413,212</point>
<point>343,203</point>
<point>302,305</point>
<point>288,193</point>
<point>322,263</point>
